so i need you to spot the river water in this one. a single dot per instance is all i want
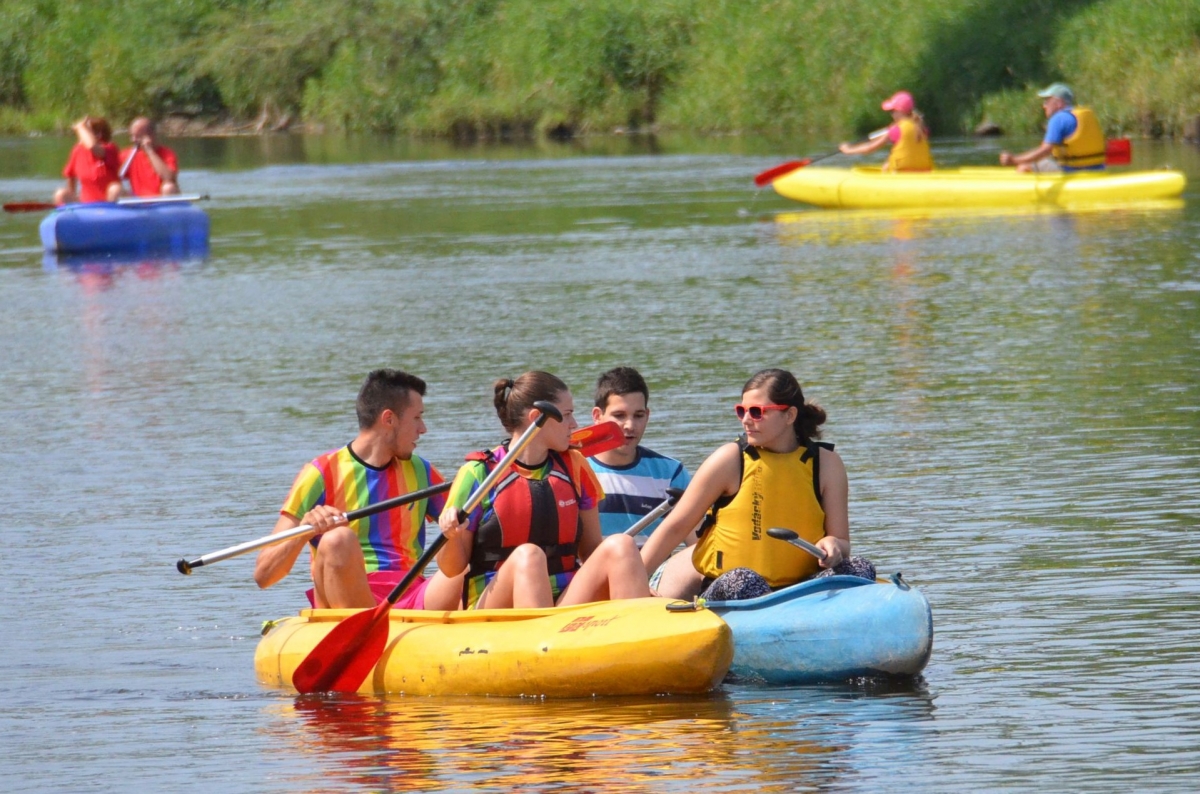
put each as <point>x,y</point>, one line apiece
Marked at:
<point>1016,397</point>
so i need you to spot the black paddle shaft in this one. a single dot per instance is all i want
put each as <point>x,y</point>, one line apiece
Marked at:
<point>548,411</point>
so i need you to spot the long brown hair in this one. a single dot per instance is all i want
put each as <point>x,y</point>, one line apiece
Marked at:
<point>783,389</point>
<point>515,397</point>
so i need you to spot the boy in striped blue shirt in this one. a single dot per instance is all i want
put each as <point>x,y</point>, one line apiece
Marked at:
<point>635,479</point>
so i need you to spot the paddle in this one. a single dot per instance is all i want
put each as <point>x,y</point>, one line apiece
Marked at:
<point>594,439</point>
<point>343,659</point>
<point>663,508</point>
<point>128,161</point>
<point>185,566</point>
<point>771,174</point>
<point>29,206</point>
<point>590,441</point>
<point>44,206</point>
<point>779,533</point>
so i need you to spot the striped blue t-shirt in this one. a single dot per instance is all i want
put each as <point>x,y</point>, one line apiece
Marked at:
<point>632,491</point>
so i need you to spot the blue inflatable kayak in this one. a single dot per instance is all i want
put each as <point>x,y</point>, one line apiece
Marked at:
<point>829,629</point>
<point>129,226</point>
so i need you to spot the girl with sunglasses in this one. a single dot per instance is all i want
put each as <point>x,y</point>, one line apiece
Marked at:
<point>534,541</point>
<point>776,475</point>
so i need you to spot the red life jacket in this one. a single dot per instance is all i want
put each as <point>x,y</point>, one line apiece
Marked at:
<point>543,512</point>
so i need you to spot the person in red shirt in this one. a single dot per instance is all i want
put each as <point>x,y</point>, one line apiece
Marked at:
<point>93,167</point>
<point>153,169</point>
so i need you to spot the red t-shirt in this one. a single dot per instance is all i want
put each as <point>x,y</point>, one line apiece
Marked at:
<point>143,179</point>
<point>94,173</point>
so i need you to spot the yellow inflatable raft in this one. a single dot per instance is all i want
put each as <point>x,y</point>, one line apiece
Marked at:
<point>861,188</point>
<point>634,647</point>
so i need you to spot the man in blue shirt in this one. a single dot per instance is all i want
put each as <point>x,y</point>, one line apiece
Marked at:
<point>635,479</point>
<point>1073,137</point>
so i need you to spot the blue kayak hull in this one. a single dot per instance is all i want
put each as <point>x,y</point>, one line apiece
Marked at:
<point>829,629</point>
<point>88,228</point>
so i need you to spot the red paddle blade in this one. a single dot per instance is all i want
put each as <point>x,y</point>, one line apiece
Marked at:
<point>771,174</point>
<point>28,206</point>
<point>602,437</point>
<point>343,660</point>
<point>1117,152</point>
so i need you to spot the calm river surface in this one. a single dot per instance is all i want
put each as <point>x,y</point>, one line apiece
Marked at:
<point>1016,398</point>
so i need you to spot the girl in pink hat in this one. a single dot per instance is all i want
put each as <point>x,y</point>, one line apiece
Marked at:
<point>907,134</point>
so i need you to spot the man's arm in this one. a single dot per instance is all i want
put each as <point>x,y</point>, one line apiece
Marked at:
<point>165,172</point>
<point>1031,156</point>
<point>83,131</point>
<point>275,562</point>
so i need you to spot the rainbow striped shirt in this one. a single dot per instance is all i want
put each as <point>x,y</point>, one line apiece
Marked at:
<point>391,540</point>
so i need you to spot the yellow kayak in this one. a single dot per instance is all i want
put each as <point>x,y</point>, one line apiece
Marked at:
<point>862,188</point>
<point>633,647</point>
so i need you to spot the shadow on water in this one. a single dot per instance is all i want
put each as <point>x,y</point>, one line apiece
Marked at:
<point>1003,44</point>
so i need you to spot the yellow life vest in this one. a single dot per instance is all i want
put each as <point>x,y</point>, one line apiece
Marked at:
<point>1084,147</point>
<point>777,490</point>
<point>911,152</point>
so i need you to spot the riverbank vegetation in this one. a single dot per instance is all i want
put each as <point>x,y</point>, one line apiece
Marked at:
<point>497,68</point>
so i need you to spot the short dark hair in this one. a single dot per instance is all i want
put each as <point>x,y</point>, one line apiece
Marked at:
<point>385,389</point>
<point>620,380</point>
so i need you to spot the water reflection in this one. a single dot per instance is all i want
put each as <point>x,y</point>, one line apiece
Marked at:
<point>150,311</point>
<point>834,227</point>
<point>98,271</point>
<point>677,744</point>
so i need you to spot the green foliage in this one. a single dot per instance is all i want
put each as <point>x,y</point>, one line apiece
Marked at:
<point>1141,70</point>
<point>379,77</point>
<point>501,67</point>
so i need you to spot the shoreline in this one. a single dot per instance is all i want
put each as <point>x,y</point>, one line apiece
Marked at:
<point>224,127</point>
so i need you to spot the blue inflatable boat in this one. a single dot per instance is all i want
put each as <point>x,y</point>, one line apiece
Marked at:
<point>828,630</point>
<point>130,226</point>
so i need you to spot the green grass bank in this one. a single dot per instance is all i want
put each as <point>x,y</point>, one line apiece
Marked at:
<point>496,68</point>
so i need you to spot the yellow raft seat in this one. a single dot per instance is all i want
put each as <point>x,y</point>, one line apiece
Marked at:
<point>869,188</point>
<point>632,647</point>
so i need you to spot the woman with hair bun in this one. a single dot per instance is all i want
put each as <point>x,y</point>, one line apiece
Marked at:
<point>776,475</point>
<point>534,540</point>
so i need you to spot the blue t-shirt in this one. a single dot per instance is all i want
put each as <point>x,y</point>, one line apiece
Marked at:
<point>632,491</point>
<point>1062,125</point>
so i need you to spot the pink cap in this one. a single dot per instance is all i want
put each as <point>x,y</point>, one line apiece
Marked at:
<point>901,101</point>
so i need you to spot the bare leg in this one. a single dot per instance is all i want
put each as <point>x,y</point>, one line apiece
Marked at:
<point>170,189</point>
<point>340,572</point>
<point>614,571</point>
<point>444,593</point>
<point>65,195</point>
<point>680,578</point>
<point>523,581</point>
<point>113,191</point>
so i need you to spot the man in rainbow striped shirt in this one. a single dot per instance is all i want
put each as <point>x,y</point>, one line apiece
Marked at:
<point>356,565</point>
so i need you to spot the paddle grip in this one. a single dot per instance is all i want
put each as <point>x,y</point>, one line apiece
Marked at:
<point>788,536</point>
